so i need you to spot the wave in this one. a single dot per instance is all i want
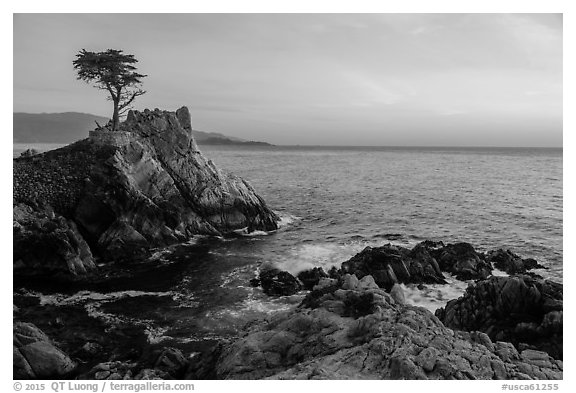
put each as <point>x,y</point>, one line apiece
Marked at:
<point>286,220</point>
<point>434,296</point>
<point>88,296</point>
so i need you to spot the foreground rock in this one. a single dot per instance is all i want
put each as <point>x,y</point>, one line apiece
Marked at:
<point>35,356</point>
<point>361,333</point>
<point>46,241</point>
<point>169,363</point>
<point>523,310</point>
<point>144,186</point>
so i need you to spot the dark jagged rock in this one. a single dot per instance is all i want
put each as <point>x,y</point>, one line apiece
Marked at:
<point>116,370</point>
<point>276,282</point>
<point>171,361</point>
<point>167,363</point>
<point>462,260</point>
<point>523,310</point>
<point>362,333</point>
<point>311,277</point>
<point>203,365</point>
<point>391,264</point>
<point>45,242</point>
<point>144,186</point>
<point>35,356</point>
<point>511,263</point>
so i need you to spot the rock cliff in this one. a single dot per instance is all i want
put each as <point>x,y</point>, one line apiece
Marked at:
<point>147,186</point>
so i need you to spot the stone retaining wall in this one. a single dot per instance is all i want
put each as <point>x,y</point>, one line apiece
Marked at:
<point>110,138</point>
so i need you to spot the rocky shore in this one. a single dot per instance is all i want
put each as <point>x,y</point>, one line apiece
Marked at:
<point>355,324</point>
<point>89,215</point>
<point>356,330</point>
<point>347,327</point>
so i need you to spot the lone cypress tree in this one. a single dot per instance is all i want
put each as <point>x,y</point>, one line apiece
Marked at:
<point>114,72</point>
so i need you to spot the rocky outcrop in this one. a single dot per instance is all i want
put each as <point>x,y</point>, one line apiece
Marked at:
<point>276,282</point>
<point>35,356</point>
<point>46,242</point>
<point>511,263</point>
<point>460,259</point>
<point>359,332</point>
<point>392,264</point>
<point>151,188</point>
<point>311,277</point>
<point>523,310</point>
<point>423,264</point>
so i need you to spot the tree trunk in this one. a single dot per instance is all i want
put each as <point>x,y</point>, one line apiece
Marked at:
<point>115,116</point>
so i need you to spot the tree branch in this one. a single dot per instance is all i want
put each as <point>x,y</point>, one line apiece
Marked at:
<point>132,98</point>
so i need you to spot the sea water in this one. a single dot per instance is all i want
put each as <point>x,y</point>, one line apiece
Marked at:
<point>333,202</point>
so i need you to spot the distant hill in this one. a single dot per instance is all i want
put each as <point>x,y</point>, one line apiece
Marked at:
<point>65,127</point>
<point>69,127</point>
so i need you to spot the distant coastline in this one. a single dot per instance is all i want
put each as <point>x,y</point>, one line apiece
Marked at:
<point>65,128</point>
<point>217,143</point>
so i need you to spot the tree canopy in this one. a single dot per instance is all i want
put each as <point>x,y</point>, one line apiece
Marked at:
<point>113,71</point>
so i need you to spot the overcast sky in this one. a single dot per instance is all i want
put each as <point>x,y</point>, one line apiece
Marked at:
<point>336,79</point>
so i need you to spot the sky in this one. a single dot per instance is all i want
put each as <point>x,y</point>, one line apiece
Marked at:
<point>316,79</point>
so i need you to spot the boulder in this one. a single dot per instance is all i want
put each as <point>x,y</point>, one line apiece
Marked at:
<point>362,333</point>
<point>172,362</point>
<point>462,260</point>
<point>113,370</point>
<point>324,283</point>
<point>276,282</point>
<point>309,278</point>
<point>523,310</point>
<point>391,264</point>
<point>511,263</point>
<point>35,356</point>
<point>398,294</point>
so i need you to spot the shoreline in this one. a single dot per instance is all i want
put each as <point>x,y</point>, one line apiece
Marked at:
<point>206,352</point>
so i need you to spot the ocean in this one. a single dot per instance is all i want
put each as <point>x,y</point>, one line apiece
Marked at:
<point>334,202</point>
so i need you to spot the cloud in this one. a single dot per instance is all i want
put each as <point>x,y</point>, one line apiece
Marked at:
<point>259,75</point>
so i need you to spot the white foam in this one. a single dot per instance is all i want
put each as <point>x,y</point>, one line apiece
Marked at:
<point>324,255</point>
<point>434,296</point>
<point>286,219</point>
<point>244,232</point>
<point>155,335</point>
<point>85,296</point>
<point>160,255</point>
<point>499,273</point>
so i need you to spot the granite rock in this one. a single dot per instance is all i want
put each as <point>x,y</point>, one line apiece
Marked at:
<point>35,356</point>
<point>524,310</point>
<point>363,333</point>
